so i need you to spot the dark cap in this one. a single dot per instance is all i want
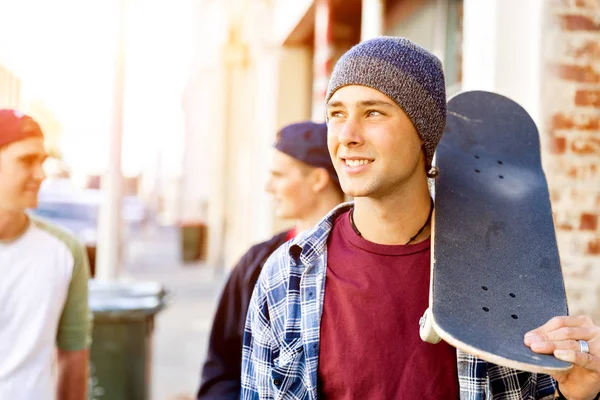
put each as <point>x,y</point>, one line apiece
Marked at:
<point>15,126</point>
<point>307,142</point>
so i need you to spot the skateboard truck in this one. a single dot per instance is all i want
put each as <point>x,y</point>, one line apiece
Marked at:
<point>426,331</point>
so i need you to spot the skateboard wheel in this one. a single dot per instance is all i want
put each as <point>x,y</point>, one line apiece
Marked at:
<point>426,331</point>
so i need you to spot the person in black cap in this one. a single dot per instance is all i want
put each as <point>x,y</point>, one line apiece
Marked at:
<point>305,187</point>
<point>335,312</point>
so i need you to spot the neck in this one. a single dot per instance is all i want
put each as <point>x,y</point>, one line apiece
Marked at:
<point>12,225</point>
<point>325,204</point>
<point>396,218</point>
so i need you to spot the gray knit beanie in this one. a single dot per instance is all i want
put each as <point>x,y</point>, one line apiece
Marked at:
<point>407,74</point>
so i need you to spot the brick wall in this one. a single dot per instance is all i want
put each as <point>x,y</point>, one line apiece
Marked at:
<point>571,143</point>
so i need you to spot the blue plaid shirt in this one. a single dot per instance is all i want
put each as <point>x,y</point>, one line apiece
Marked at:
<point>281,338</point>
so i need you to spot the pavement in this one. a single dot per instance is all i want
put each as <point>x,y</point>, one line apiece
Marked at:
<point>182,328</point>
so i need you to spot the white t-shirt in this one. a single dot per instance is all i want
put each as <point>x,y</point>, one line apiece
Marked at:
<point>43,305</point>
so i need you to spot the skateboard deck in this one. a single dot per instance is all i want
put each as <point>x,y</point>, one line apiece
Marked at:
<point>496,271</point>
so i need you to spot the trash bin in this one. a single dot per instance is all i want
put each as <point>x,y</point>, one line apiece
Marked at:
<point>193,241</point>
<point>120,356</point>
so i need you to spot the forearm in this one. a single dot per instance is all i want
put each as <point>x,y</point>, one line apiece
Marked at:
<point>72,382</point>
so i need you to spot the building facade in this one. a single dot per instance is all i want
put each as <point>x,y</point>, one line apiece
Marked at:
<point>10,89</point>
<point>545,54</point>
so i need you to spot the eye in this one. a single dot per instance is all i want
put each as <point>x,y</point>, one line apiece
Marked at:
<point>373,113</point>
<point>335,114</point>
<point>28,161</point>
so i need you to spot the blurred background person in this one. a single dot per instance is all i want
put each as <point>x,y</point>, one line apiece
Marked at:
<point>44,284</point>
<point>305,187</point>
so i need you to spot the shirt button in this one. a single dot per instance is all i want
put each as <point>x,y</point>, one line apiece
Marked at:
<point>277,382</point>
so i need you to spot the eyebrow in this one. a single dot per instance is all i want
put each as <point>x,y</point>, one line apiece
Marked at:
<point>363,103</point>
<point>33,156</point>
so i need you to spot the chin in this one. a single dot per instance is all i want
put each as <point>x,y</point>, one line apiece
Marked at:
<point>29,204</point>
<point>354,191</point>
<point>285,214</point>
<point>279,213</point>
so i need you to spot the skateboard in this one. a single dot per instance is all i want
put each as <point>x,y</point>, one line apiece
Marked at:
<point>495,267</point>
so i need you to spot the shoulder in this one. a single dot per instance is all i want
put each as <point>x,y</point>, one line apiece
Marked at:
<point>278,259</point>
<point>256,256</point>
<point>264,249</point>
<point>62,238</point>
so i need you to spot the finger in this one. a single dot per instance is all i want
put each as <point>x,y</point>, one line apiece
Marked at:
<point>561,322</point>
<point>567,333</point>
<point>584,360</point>
<point>550,347</point>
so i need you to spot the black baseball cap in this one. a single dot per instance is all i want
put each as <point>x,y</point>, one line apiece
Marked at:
<point>307,142</point>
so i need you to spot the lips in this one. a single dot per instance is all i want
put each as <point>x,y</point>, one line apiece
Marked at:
<point>356,165</point>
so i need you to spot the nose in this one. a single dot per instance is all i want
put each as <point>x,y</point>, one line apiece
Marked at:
<point>351,133</point>
<point>39,174</point>
<point>269,186</point>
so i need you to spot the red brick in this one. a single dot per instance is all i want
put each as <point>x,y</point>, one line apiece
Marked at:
<point>577,73</point>
<point>563,226</point>
<point>561,121</point>
<point>593,247</point>
<point>589,4</point>
<point>589,123</point>
<point>587,50</point>
<point>579,23</point>
<point>555,196</point>
<point>586,98</point>
<point>583,172</point>
<point>580,122</point>
<point>558,145</point>
<point>586,146</point>
<point>589,222</point>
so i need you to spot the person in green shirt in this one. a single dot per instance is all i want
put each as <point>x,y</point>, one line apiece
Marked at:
<point>44,312</point>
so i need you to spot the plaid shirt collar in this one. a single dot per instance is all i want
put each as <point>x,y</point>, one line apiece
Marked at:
<point>281,340</point>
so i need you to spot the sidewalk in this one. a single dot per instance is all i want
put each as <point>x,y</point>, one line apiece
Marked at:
<point>181,330</point>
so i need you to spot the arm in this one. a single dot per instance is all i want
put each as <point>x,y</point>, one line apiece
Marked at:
<point>74,333</point>
<point>72,374</point>
<point>221,369</point>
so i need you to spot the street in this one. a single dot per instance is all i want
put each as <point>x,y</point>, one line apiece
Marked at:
<point>181,329</point>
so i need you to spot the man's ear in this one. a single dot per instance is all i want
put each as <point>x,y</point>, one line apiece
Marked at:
<point>320,179</point>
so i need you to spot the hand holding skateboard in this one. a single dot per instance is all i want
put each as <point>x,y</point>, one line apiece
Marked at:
<point>562,336</point>
<point>495,267</point>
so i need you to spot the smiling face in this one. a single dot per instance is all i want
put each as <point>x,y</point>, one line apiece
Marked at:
<point>21,174</point>
<point>373,144</point>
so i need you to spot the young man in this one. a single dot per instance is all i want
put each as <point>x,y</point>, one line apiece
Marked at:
<point>335,313</point>
<point>305,187</point>
<point>43,280</point>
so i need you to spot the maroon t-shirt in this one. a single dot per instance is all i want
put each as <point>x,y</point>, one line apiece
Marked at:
<point>370,344</point>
